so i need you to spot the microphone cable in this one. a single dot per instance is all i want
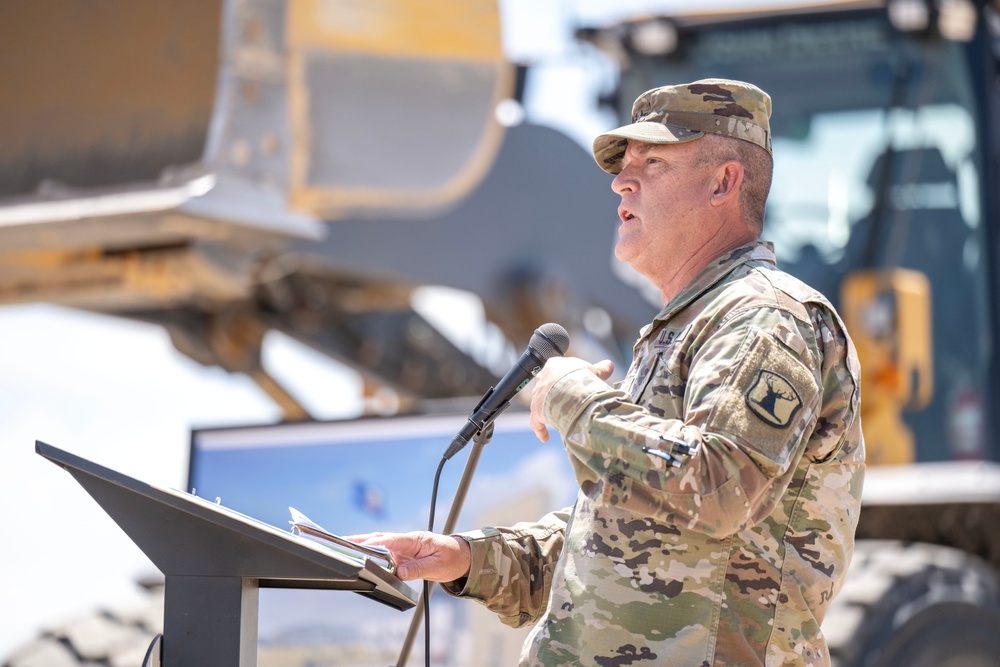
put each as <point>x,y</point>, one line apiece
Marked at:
<point>427,584</point>
<point>548,340</point>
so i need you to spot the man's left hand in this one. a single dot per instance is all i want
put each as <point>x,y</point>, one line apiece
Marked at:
<point>554,369</point>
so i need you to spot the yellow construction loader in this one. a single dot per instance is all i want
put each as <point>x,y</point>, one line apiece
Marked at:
<point>229,168</point>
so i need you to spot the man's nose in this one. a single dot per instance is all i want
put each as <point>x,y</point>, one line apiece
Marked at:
<point>623,182</point>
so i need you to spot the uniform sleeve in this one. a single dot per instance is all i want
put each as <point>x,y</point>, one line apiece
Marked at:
<point>749,395</point>
<point>511,570</point>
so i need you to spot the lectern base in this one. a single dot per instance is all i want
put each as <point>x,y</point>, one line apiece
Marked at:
<point>210,621</point>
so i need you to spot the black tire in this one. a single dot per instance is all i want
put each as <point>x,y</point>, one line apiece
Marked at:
<point>915,605</point>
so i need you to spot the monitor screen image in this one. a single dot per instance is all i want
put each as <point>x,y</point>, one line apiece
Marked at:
<point>376,474</point>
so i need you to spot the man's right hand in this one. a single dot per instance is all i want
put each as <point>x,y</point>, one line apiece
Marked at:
<point>554,369</point>
<point>424,555</point>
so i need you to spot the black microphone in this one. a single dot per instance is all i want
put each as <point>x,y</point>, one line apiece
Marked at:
<point>549,340</point>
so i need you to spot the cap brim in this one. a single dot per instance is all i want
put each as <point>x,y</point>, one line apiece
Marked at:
<point>609,148</point>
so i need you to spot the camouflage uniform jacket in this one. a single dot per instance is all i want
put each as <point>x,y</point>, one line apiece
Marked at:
<point>730,557</point>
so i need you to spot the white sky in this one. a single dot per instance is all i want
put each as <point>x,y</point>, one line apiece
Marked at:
<point>111,391</point>
<point>118,393</point>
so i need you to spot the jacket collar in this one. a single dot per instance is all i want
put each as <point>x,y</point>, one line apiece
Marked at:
<point>715,271</point>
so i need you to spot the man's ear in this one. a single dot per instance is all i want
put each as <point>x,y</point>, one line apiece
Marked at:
<point>726,182</point>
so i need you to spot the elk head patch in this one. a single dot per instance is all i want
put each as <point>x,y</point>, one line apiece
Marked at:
<point>773,398</point>
<point>764,402</point>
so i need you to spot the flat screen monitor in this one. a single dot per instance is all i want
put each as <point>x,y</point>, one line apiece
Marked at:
<point>371,474</point>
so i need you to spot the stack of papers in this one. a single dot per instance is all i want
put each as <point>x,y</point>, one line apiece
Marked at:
<point>306,527</point>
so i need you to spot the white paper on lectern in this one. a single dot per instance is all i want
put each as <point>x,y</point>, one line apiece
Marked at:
<point>305,527</point>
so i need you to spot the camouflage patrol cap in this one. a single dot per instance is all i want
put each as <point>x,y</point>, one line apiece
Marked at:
<point>685,112</point>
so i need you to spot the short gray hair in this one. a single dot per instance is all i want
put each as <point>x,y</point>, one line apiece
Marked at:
<point>758,167</point>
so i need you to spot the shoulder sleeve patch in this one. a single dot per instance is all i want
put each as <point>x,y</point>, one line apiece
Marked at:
<point>773,398</point>
<point>763,404</point>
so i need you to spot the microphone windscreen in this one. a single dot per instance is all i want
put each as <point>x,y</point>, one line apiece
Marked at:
<point>549,340</point>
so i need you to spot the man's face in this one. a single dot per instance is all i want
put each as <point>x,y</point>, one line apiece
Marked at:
<point>665,199</point>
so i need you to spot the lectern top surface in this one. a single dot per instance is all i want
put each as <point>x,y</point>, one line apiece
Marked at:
<point>184,534</point>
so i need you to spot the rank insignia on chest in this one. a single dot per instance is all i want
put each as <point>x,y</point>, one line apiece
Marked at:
<point>773,398</point>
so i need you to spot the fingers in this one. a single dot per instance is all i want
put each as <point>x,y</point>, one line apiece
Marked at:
<point>541,432</point>
<point>555,368</point>
<point>442,558</point>
<point>428,568</point>
<point>603,369</point>
<point>414,569</point>
<point>423,555</point>
<point>537,420</point>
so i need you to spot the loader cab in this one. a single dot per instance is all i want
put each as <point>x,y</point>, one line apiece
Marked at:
<point>880,135</point>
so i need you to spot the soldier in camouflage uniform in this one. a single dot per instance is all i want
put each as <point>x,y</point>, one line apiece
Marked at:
<point>720,482</point>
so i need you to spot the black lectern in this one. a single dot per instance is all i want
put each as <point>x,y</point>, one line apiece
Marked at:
<point>215,560</point>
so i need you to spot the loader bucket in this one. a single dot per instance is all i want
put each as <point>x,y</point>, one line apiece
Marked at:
<point>101,93</point>
<point>332,108</point>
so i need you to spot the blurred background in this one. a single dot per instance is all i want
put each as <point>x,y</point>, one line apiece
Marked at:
<point>254,212</point>
<point>119,393</point>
